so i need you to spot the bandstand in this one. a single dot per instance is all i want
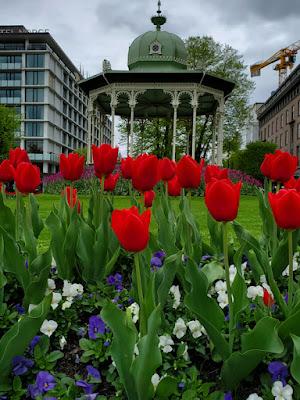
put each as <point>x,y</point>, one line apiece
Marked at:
<point>158,83</point>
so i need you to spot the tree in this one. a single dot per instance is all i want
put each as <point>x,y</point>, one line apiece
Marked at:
<point>9,124</point>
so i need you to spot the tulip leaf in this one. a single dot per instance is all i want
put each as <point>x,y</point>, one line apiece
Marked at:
<point>166,387</point>
<point>266,215</point>
<point>149,357</point>
<point>295,365</point>
<point>255,266</point>
<point>15,341</point>
<point>205,308</point>
<point>215,231</point>
<point>280,259</point>
<point>123,344</point>
<point>7,218</point>
<point>37,223</point>
<point>213,271</point>
<point>291,324</point>
<point>255,345</point>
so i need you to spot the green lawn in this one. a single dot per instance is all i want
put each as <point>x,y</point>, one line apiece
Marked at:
<point>248,212</point>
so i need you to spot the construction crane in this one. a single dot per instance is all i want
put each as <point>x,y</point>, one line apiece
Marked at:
<point>286,58</point>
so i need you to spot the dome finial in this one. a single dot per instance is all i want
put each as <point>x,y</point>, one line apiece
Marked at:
<point>158,20</point>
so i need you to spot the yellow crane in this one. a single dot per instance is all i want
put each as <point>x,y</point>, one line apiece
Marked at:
<point>286,58</point>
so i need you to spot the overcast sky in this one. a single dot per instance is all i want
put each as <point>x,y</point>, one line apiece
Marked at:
<point>92,30</point>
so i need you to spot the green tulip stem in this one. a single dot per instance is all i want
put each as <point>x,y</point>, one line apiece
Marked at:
<point>29,212</point>
<point>270,185</point>
<point>140,293</point>
<point>278,187</point>
<point>18,214</point>
<point>227,276</point>
<point>71,196</point>
<point>290,287</point>
<point>3,191</point>
<point>275,290</point>
<point>102,199</point>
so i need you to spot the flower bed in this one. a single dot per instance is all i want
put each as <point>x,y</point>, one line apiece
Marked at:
<point>110,311</point>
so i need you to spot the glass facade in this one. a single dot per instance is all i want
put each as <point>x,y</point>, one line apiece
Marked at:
<point>34,129</point>
<point>34,95</point>
<point>35,78</point>
<point>35,61</point>
<point>34,112</point>
<point>34,146</point>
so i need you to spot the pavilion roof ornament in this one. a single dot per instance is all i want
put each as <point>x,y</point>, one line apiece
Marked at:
<point>159,19</point>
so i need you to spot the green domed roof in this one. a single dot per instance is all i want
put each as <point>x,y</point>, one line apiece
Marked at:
<point>157,50</point>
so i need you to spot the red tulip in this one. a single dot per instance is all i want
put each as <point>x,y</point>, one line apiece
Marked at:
<point>166,169</point>
<point>222,199</point>
<point>285,206</point>
<point>174,189</point>
<point>283,166</point>
<point>189,172</point>
<point>72,201</point>
<point>27,177</point>
<point>145,172</point>
<point>105,159</point>
<point>131,228</point>
<point>110,182</point>
<point>293,184</point>
<point>268,299</point>
<point>18,155</point>
<point>126,167</point>
<point>6,171</point>
<point>148,198</point>
<point>71,166</point>
<point>214,171</point>
<point>265,167</point>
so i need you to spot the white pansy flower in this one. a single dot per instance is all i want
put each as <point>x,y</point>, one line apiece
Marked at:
<point>32,307</point>
<point>135,310</point>
<point>220,286</point>
<point>56,298</point>
<point>281,392</point>
<point>66,304</point>
<point>232,272</point>
<point>166,343</point>
<point>50,286</point>
<point>286,272</point>
<point>185,354</point>
<point>179,329</point>
<point>255,291</point>
<point>48,327</point>
<point>62,342</point>
<point>263,279</point>
<point>72,290</point>
<point>174,290</point>
<point>254,396</point>
<point>155,380</point>
<point>136,350</point>
<point>222,299</point>
<point>196,328</point>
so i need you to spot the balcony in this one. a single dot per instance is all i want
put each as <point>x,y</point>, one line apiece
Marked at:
<point>10,65</point>
<point>44,157</point>
<point>10,83</point>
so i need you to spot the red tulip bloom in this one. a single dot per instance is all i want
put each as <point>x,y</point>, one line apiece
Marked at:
<point>293,184</point>
<point>166,169</point>
<point>145,172</point>
<point>283,166</point>
<point>7,171</point>
<point>126,167</point>
<point>285,206</point>
<point>71,166</point>
<point>105,159</point>
<point>214,171</point>
<point>18,155</point>
<point>174,189</point>
<point>222,199</point>
<point>110,182</point>
<point>27,177</point>
<point>268,299</point>
<point>72,201</point>
<point>265,167</point>
<point>131,228</point>
<point>189,172</point>
<point>148,198</point>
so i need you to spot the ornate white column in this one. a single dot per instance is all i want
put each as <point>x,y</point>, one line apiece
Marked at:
<point>90,110</point>
<point>132,104</point>
<point>194,104</point>
<point>175,105</point>
<point>220,131</point>
<point>113,105</point>
<point>213,140</point>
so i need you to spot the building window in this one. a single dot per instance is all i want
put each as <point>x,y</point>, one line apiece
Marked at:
<point>298,131</point>
<point>281,140</point>
<point>11,59</point>
<point>10,76</point>
<point>35,60</point>
<point>10,93</point>
<point>286,138</point>
<point>34,95</point>
<point>287,116</point>
<point>12,46</point>
<point>34,129</point>
<point>281,121</point>
<point>35,78</point>
<point>293,113</point>
<point>276,127</point>
<point>34,112</point>
<point>299,107</point>
<point>34,146</point>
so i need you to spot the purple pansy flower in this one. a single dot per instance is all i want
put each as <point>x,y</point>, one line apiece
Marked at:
<point>228,396</point>
<point>181,385</point>
<point>87,387</point>
<point>106,343</point>
<point>33,391</point>
<point>156,262</point>
<point>159,254</point>
<point>206,257</point>
<point>33,343</point>
<point>21,365</point>
<point>20,309</point>
<point>278,371</point>
<point>116,281</point>
<point>45,381</point>
<point>93,372</point>
<point>96,327</point>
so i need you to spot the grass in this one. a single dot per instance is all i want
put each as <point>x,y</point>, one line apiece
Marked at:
<point>248,213</point>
